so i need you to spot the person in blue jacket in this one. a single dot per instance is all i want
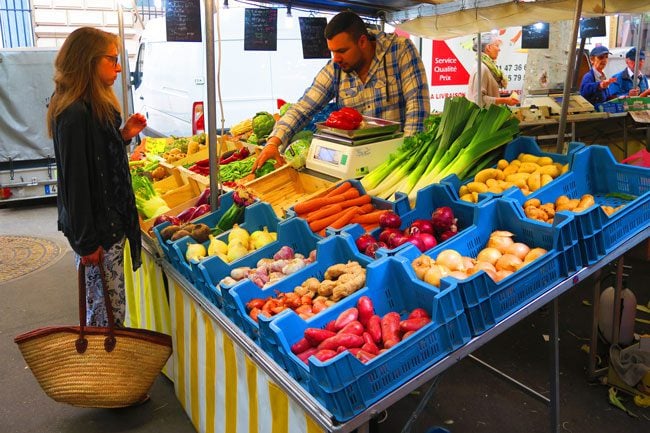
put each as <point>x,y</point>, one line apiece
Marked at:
<point>594,86</point>
<point>624,85</point>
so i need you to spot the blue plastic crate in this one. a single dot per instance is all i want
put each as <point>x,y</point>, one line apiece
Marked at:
<point>345,385</point>
<point>293,232</point>
<point>488,302</point>
<point>428,199</point>
<point>329,251</point>
<point>595,171</point>
<point>512,151</point>
<point>256,216</point>
<point>611,107</point>
<point>225,201</point>
<point>377,202</point>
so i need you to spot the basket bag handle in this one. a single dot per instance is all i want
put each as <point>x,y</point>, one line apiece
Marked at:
<point>82,343</point>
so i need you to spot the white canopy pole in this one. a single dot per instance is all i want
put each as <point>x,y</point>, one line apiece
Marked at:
<point>637,44</point>
<point>569,77</point>
<point>479,71</point>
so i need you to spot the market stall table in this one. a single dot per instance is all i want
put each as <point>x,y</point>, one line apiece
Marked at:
<point>226,382</point>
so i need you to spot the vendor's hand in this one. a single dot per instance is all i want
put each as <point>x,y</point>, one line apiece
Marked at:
<point>134,124</point>
<point>634,92</point>
<point>605,83</point>
<point>510,101</point>
<point>270,151</point>
<point>93,258</point>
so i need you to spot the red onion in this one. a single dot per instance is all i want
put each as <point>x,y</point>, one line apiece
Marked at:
<point>442,219</point>
<point>390,220</point>
<point>364,241</point>
<point>428,240</point>
<point>162,218</point>
<point>421,226</point>
<point>372,249</point>
<point>415,240</point>
<point>446,235</point>
<point>204,197</point>
<point>385,234</point>
<point>396,239</point>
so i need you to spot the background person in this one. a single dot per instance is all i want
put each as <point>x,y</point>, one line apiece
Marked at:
<point>492,78</point>
<point>624,85</point>
<point>594,85</point>
<point>96,205</point>
<point>379,74</point>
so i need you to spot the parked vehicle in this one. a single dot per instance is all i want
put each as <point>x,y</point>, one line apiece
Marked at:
<point>169,78</point>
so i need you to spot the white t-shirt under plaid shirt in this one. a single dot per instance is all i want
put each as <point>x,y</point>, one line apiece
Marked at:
<point>396,89</point>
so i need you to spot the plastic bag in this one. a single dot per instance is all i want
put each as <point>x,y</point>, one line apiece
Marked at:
<point>296,153</point>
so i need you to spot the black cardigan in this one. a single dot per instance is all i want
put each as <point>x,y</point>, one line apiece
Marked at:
<point>95,199</point>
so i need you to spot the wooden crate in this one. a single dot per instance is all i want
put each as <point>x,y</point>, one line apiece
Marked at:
<point>147,225</point>
<point>285,187</point>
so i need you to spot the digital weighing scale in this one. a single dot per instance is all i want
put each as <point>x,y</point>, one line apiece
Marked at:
<point>352,154</point>
<point>577,103</point>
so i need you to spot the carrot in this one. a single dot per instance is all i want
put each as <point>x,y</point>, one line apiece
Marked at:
<point>369,227</point>
<point>366,208</point>
<point>324,212</point>
<point>319,202</point>
<point>320,224</point>
<point>369,218</point>
<point>339,189</point>
<point>357,201</point>
<point>345,218</point>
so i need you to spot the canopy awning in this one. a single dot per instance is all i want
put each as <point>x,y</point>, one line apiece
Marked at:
<point>458,19</point>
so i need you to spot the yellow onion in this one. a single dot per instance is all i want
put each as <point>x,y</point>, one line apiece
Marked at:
<point>468,263</point>
<point>503,273</point>
<point>488,255</point>
<point>434,274</point>
<point>421,265</point>
<point>508,262</point>
<point>534,253</point>
<point>451,259</point>
<point>500,240</point>
<point>459,275</point>
<point>518,249</point>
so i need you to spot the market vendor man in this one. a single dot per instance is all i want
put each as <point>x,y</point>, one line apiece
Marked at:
<point>379,74</point>
<point>624,85</point>
<point>595,85</point>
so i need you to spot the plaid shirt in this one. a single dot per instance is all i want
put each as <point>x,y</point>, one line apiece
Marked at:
<point>396,89</point>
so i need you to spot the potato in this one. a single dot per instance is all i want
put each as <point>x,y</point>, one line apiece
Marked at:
<point>534,181</point>
<point>551,170</point>
<point>528,167</point>
<point>546,178</point>
<point>485,174</point>
<point>586,201</point>
<point>532,202</point>
<point>478,187</point>
<point>544,160</point>
<point>503,163</point>
<point>511,169</point>
<point>468,197</point>
<point>519,179</point>
<point>561,200</point>
<point>528,157</point>
<point>463,190</point>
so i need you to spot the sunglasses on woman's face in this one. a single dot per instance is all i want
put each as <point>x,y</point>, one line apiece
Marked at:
<point>113,59</point>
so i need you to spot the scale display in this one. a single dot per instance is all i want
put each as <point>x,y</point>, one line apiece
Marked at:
<point>331,156</point>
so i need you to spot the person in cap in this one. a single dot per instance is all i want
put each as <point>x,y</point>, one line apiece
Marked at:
<point>594,85</point>
<point>492,78</point>
<point>624,84</point>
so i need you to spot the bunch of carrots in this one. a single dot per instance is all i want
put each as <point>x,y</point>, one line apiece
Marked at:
<point>341,206</point>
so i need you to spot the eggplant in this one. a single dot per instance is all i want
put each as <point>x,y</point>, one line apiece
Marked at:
<point>204,197</point>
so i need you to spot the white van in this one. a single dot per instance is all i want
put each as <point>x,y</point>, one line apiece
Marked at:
<point>169,78</point>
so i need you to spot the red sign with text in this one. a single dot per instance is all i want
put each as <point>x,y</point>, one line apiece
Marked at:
<point>446,69</point>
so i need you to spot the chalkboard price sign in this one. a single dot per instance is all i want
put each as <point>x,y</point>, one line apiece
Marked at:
<point>312,33</point>
<point>261,30</point>
<point>183,20</point>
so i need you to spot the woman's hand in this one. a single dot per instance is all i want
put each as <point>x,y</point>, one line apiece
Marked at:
<point>507,101</point>
<point>270,151</point>
<point>93,258</point>
<point>134,124</point>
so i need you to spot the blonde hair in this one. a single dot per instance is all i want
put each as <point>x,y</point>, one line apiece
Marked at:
<point>76,77</point>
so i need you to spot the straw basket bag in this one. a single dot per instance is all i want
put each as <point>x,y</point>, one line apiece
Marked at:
<point>89,366</point>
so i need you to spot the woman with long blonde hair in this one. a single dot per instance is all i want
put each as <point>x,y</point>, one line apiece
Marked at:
<point>96,205</point>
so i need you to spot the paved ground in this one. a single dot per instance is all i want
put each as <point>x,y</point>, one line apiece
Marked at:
<point>469,398</point>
